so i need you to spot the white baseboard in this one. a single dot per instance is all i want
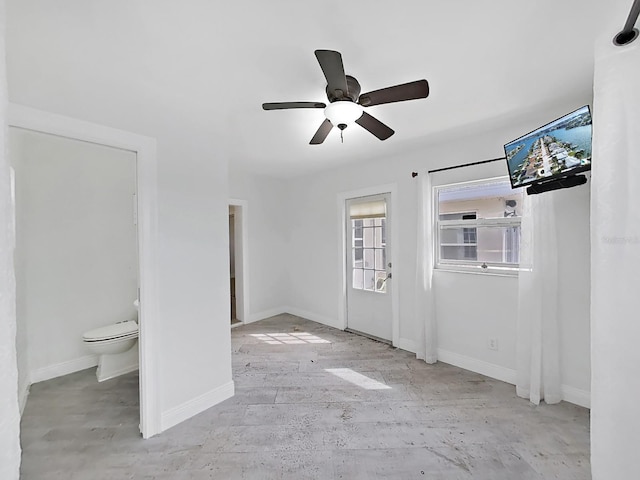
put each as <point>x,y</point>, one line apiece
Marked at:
<point>255,317</point>
<point>196,405</point>
<point>314,317</point>
<point>63,368</point>
<point>478,366</point>
<point>117,373</point>
<point>23,394</point>
<point>569,394</point>
<point>408,345</point>
<point>576,396</point>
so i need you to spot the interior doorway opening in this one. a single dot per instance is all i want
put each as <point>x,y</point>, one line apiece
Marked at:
<point>76,257</point>
<point>147,231</point>
<point>238,262</point>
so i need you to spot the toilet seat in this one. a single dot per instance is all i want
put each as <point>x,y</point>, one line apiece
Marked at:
<point>117,331</point>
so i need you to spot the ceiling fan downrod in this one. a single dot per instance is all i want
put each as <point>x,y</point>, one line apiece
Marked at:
<point>628,33</point>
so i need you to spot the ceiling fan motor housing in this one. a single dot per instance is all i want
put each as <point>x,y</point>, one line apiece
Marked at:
<point>352,93</point>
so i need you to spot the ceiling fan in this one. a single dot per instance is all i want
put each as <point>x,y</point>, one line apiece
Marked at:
<point>345,102</point>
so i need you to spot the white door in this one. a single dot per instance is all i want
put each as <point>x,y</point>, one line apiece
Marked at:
<point>369,280</point>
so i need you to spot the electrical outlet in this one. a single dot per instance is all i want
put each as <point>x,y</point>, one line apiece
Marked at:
<point>492,344</point>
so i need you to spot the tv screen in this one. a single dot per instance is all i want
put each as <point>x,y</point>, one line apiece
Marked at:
<point>558,149</point>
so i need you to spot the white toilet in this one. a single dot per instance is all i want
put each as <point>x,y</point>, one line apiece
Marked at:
<point>116,346</point>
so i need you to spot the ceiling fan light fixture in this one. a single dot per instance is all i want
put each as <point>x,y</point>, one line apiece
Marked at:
<point>343,112</point>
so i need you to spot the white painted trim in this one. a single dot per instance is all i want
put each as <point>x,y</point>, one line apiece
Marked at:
<point>122,371</point>
<point>242,258</point>
<point>392,190</point>
<point>196,405</point>
<point>314,317</point>
<point>62,368</point>
<point>408,345</point>
<point>255,317</point>
<point>146,173</point>
<point>569,394</point>
<point>478,366</point>
<point>576,396</point>
<point>23,394</point>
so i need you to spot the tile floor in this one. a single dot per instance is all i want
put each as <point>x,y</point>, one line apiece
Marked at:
<point>311,402</point>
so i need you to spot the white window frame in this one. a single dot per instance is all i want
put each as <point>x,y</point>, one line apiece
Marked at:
<point>470,266</point>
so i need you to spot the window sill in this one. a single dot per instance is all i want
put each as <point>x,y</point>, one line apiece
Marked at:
<point>492,272</point>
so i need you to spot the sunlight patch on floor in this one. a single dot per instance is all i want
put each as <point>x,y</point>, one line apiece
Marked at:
<point>293,338</point>
<point>357,379</point>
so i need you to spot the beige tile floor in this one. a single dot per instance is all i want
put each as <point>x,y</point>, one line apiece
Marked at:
<point>311,402</point>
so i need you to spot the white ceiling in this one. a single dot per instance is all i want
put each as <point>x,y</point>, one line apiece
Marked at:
<point>210,63</point>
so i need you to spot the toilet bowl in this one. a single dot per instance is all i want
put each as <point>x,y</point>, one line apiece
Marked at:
<point>114,345</point>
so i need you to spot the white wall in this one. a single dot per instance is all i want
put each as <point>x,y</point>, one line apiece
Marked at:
<point>22,352</point>
<point>76,254</point>
<point>494,299</point>
<point>491,301</point>
<point>615,263</point>
<point>193,270</point>
<point>9,411</point>
<point>268,230</point>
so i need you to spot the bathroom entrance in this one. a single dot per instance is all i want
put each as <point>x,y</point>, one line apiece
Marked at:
<point>76,257</point>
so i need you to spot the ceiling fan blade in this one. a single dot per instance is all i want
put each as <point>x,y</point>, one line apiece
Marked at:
<point>398,93</point>
<point>286,105</point>
<point>322,133</point>
<point>374,126</point>
<point>331,64</point>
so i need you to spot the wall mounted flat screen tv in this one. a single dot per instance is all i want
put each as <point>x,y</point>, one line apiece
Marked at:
<point>557,150</point>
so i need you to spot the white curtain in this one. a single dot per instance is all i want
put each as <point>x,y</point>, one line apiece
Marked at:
<point>425,299</point>
<point>537,347</point>
<point>9,413</point>
<point>615,262</point>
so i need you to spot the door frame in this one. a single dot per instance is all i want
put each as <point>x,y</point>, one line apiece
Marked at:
<point>145,148</point>
<point>391,189</point>
<point>241,252</point>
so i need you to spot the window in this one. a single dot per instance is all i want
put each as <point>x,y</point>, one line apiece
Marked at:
<point>478,226</point>
<point>368,245</point>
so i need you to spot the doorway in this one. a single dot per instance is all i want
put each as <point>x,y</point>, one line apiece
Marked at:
<point>238,262</point>
<point>76,250</point>
<point>369,285</point>
<point>145,149</point>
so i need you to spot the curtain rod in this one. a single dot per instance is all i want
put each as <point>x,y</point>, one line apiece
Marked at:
<point>628,33</point>
<point>415,174</point>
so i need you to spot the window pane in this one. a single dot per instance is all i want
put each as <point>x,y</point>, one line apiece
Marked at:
<point>358,278</point>
<point>381,284</point>
<point>492,199</point>
<point>357,258</point>
<point>512,245</point>
<point>491,244</point>
<point>378,222</point>
<point>368,258</point>
<point>369,279</point>
<point>368,237</point>
<point>377,234</point>
<point>457,236</point>
<point>368,222</point>
<point>450,252</point>
<point>381,261</point>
